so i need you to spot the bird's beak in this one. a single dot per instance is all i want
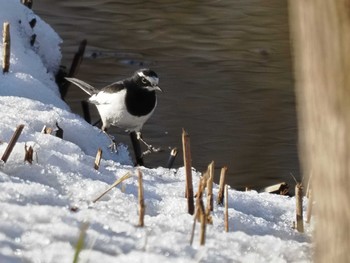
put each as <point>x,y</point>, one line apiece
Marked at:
<point>157,88</point>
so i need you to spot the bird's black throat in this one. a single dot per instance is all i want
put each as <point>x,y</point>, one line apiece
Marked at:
<point>139,101</point>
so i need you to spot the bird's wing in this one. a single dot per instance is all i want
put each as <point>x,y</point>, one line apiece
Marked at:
<point>114,87</point>
<point>84,86</point>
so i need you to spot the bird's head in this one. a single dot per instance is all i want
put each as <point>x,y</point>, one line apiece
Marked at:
<point>147,79</point>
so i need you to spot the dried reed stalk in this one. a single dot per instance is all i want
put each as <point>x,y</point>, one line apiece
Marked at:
<point>194,224</point>
<point>28,3</point>
<point>188,169</point>
<point>199,206</point>
<point>210,203</point>
<point>309,206</point>
<point>141,200</point>
<point>299,207</point>
<point>226,208</point>
<point>46,130</point>
<point>203,218</point>
<point>98,159</point>
<point>123,178</point>
<point>28,155</point>
<point>220,198</point>
<point>78,58</point>
<point>172,157</point>
<point>6,40</point>
<point>12,143</point>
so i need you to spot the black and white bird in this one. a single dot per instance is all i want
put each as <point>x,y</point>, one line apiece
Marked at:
<point>126,104</point>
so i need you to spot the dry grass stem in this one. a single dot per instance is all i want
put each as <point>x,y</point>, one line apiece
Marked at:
<point>28,155</point>
<point>210,203</point>
<point>299,207</point>
<point>98,159</point>
<point>203,218</point>
<point>46,130</point>
<point>12,143</point>
<point>188,169</point>
<point>220,198</point>
<point>309,206</point>
<point>123,178</point>
<point>141,200</point>
<point>6,41</point>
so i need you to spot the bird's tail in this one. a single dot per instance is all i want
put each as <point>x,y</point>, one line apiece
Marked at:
<point>83,85</point>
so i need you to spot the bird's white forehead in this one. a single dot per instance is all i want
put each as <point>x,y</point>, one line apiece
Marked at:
<point>153,80</point>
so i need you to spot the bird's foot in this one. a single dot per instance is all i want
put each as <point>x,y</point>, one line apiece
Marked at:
<point>113,145</point>
<point>150,148</point>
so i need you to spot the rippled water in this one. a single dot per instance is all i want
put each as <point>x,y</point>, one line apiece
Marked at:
<point>224,66</point>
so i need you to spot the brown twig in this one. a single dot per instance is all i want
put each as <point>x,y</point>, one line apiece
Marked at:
<point>194,224</point>
<point>6,40</point>
<point>123,178</point>
<point>226,208</point>
<point>78,58</point>
<point>141,200</point>
<point>188,169</point>
<point>203,218</point>
<point>309,206</point>
<point>12,143</point>
<point>46,130</point>
<point>299,207</point>
<point>28,156</point>
<point>76,62</point>
<point>210,205</point>
<point>98,159</point>
<point>220,198</point>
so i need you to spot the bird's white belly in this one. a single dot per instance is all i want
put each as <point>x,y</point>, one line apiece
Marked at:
<point>112,109</point>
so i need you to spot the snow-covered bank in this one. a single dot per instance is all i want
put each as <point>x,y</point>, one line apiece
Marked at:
<point>36,223</point>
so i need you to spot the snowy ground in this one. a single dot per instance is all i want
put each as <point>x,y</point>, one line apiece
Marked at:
<point>36,222</point>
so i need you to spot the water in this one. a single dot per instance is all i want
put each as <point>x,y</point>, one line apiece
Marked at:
<point>224,66</point>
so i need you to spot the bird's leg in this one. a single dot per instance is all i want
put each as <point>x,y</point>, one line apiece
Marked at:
<point>113,145</point>
<point>150,148</point>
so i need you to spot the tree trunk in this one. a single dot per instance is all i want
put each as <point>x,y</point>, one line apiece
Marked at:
<point>321,38</point>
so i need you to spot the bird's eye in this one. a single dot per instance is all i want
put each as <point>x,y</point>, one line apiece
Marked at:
<point>144,81</point>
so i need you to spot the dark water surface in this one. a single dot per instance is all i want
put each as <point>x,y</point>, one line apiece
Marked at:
<point>224,66</point>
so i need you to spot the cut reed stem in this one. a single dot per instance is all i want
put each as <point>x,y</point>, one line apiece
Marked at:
<point>220,198</point>
<point>98,159</point>
<point>226,208</point>
<point>172,156</point>
<point>123,178</point>
<point>6,41</point>
<point>188,170</point>
<point>28,155</point>
<point>299,207</point>
<point>309,206</point>
<point>141,200</point>
<point>12,143</point>
<point>210,203</point>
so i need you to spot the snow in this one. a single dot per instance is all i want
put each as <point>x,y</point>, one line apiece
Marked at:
<point>37,223</point>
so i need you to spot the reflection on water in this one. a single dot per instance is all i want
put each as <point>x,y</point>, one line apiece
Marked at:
<point>224,66</point>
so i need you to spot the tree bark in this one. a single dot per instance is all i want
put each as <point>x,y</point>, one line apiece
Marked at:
<point>321,38</point>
